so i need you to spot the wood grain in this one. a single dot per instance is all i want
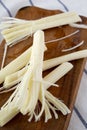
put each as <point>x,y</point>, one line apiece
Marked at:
<point>69,84</point>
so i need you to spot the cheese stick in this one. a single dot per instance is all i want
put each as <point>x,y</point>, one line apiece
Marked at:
<point>7,114</point>
<point>17,32</point>
<point>47,64</point>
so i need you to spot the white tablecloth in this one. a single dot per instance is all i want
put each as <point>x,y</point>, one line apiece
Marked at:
<point>9,8</point>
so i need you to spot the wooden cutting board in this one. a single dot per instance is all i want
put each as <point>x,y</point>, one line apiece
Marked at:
<point>69,84</point>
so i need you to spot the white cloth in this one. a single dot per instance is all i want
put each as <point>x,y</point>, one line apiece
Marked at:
<point>9,8</point>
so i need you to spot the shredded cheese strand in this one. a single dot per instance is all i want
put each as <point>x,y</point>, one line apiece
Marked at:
<point>74,47</point>
<point>83,26</point>
<point>8,90</point>
<point>4,56</point>
<point>62,38</point>
<point>46,82</point>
